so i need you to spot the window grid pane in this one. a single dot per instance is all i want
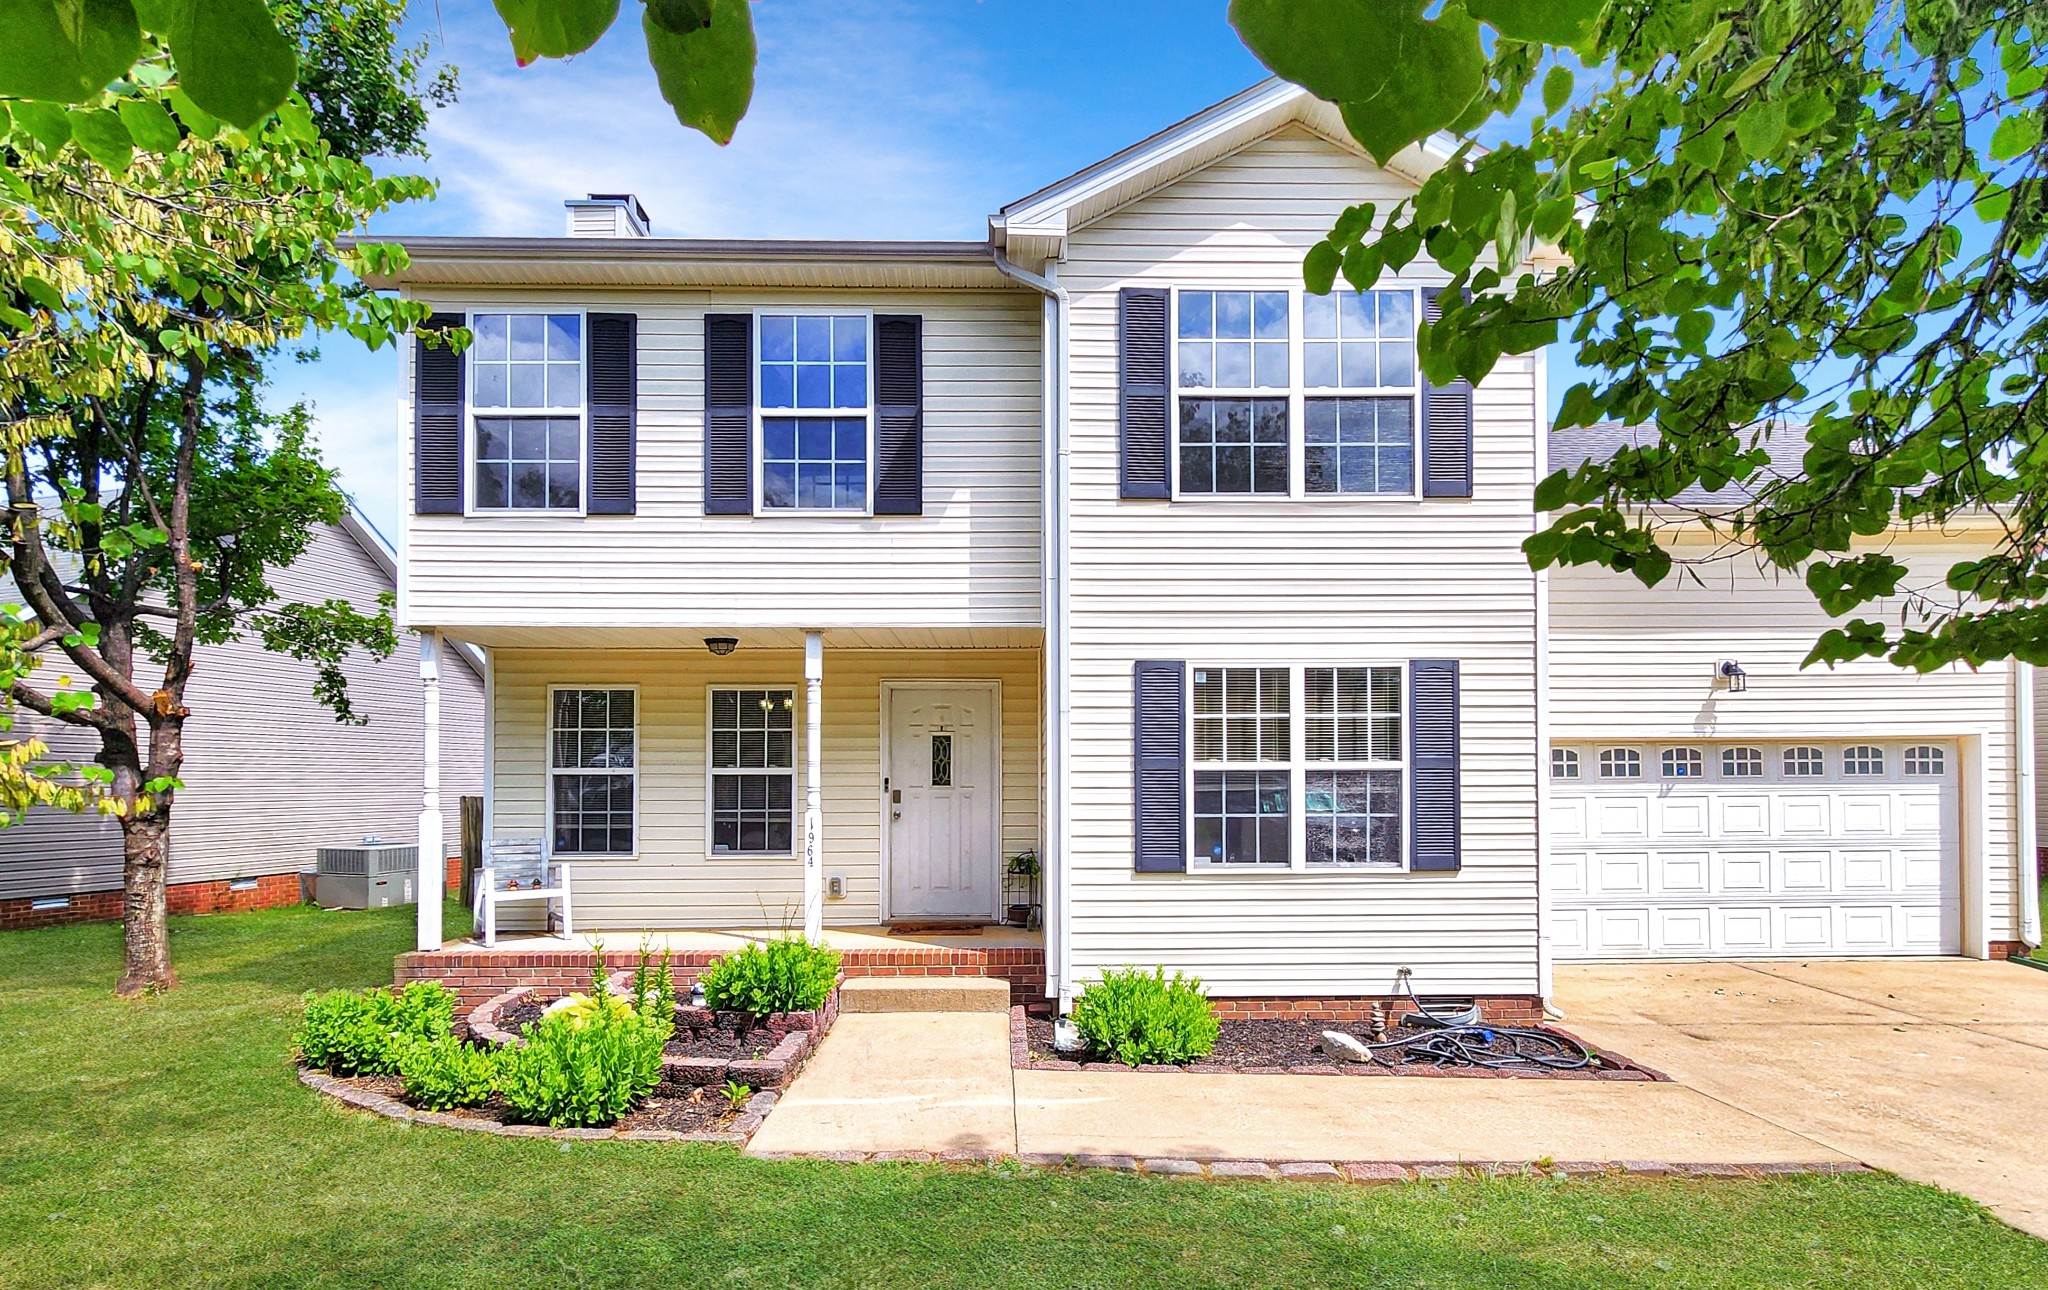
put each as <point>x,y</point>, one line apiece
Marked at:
<point>1352,713</point>
<point>592,812</point>
<point>1742,763</point>
<point>1925,759</point>
<point>1804,761</point>
<point>1233,446</point>
<point>1233,340</point>
<point>814,361</point>
<point>1353,817</point>
<point>1620,763</point>
<point>753,784</point>
<point>814,463</point>
<point>1564,763</point>
<point>1863,759</point>
<point>1242,714</point>
<point>526,361</point>
<point>1241,817</point>
<point>1359,446</point>
<point>1681,763</point>
<point>528,463</point>
<point>1358,340</point>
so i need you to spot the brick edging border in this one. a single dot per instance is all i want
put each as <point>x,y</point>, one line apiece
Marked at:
<point>1622,1070</point>
<point>1339,1171</point>
<point>391,1108</point>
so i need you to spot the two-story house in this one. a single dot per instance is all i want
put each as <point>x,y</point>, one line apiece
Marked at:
<point>819,579</point>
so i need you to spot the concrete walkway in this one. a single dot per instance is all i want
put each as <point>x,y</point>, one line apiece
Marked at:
<point>942,1082</point>
<point>1931,1068</point>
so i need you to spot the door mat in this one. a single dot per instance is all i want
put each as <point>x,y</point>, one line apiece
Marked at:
<point>950,929</point>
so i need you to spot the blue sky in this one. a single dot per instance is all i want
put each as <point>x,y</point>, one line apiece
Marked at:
<point>869,119</point>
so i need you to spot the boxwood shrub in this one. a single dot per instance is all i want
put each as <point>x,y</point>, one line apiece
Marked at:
<point>1141,1018</point>
<point>787,974</point>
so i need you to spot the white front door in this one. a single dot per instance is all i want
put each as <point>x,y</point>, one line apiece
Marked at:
<point>1774,848</point>
<point>942,800</point>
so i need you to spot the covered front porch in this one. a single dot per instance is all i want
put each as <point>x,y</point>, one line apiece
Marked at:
<point>699,785</point>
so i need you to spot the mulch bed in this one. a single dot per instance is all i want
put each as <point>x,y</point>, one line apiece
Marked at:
<point>728,1034</point>
<point>678,1108</point>
<point>1296,1047</point>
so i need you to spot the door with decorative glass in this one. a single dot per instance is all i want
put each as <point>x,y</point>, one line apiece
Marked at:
<point>942,797</point>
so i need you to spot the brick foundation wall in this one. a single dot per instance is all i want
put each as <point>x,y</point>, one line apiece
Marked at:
<point>1505,1010</point>
<point>2008,949</point>
<point>477,974</point>
<point>272,891</point>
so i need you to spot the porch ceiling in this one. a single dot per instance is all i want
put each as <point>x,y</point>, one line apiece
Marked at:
<point>750,638</point>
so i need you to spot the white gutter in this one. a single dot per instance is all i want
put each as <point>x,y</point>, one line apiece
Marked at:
<point>1053,848</point>
<point>2029,828</point>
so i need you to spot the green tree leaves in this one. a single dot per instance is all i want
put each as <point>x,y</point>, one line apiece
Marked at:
<point>230,56</point>
<point>707,71</point>
<point>555,28</point>
<point>65,50</point>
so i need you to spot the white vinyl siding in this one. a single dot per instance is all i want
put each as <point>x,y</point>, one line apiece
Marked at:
<point>1629,663</point>
<point>270,776</point>
<point>971,560</point>
<point>673,880</point>
<point>1302,582</point>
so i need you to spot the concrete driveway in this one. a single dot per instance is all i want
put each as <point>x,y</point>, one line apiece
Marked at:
<point>1932,1068</point>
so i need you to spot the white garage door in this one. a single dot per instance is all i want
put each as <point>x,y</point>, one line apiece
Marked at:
<point>1742,850</point>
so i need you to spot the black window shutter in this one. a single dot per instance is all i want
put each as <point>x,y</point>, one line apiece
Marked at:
<point>1446,426</point>
<point>437,422</point>
<point>728,414</point>
<point>614,403</point>
<point>1433,823</point>
<point>1159,744</point>
<point>1141,419</point>
<point>899,414</point>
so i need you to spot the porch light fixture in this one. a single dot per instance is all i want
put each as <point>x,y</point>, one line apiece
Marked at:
<point>1733,676</point>
<point>721,645</point>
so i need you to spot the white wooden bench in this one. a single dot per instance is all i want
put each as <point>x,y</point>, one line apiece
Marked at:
<point>517,869</point>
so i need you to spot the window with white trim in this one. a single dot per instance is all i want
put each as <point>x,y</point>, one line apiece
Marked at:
<point>1863,759</point>
<point>1334,797</point>
<point>1564,763</point>
<point>1805,761</point>
<point>526,396</point>
<point>1621,763</point>
<point>753,770</point>
<point>1682,763</point>
<point>1262,412</point>
<point>1742,763</point>
<point>593,763</point>
<point>815,405</point>
<point>1926,759</point>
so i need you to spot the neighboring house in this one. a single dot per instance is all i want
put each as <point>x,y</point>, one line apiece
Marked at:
<point>1102,539</point>
<point>270,776</point>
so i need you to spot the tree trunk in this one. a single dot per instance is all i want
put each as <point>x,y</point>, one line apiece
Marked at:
<point>145,932</point>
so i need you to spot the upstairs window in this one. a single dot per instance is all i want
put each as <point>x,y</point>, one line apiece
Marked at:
<point>1359,341</point>
<point>1233,345</point>
<point>527,398</point>
<point>815,405</point>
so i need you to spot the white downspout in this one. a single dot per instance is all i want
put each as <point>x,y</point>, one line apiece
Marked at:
<point>1053,559</point>
<point>814,770</point>
<point>1545,958</point>
<point>2029,827</point>
<point>433,866</point>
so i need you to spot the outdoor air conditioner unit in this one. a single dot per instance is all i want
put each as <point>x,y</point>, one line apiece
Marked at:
<point>373,875</point>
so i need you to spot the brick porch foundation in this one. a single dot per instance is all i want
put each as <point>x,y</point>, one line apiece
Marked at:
<point>477,974</point>
<point>272,891</point>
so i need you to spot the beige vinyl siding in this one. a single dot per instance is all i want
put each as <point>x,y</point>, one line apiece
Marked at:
<point>269,774</point>
<point>1309,581</point>
<point>1634,663</point>
<point>971,560</point>
<point>673,882</point>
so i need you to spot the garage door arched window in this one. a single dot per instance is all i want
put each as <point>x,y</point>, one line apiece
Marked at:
<point>1742,763</point>
<point>1804,760</point>
<point>1863,759</point>
<point>1621,763</point>
<point>1682,763</point>
<point>1926,759</point>
<point>1564,763</point>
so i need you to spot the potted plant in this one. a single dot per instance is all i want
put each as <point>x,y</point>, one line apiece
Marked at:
<point>1020,887</point>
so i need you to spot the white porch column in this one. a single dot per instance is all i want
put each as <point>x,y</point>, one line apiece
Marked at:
<point>433,865</point>
<point>814,771</point>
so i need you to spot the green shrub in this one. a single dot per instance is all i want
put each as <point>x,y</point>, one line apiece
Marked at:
<point>788,974</point>
<point>445,1072</point>
<point>1140,1018</point>
<point>583,1075</point>
<point>352,1032</point>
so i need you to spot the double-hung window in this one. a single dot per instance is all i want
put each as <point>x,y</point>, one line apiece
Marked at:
<point>815,400</point>
<point>1298,767</point>
<point>593,762</point>
<point>753,771</point>
<point>527,408</point>
<point>1264,407</point>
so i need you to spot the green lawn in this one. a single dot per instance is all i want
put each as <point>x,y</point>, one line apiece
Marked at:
<point>166,1143</point>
